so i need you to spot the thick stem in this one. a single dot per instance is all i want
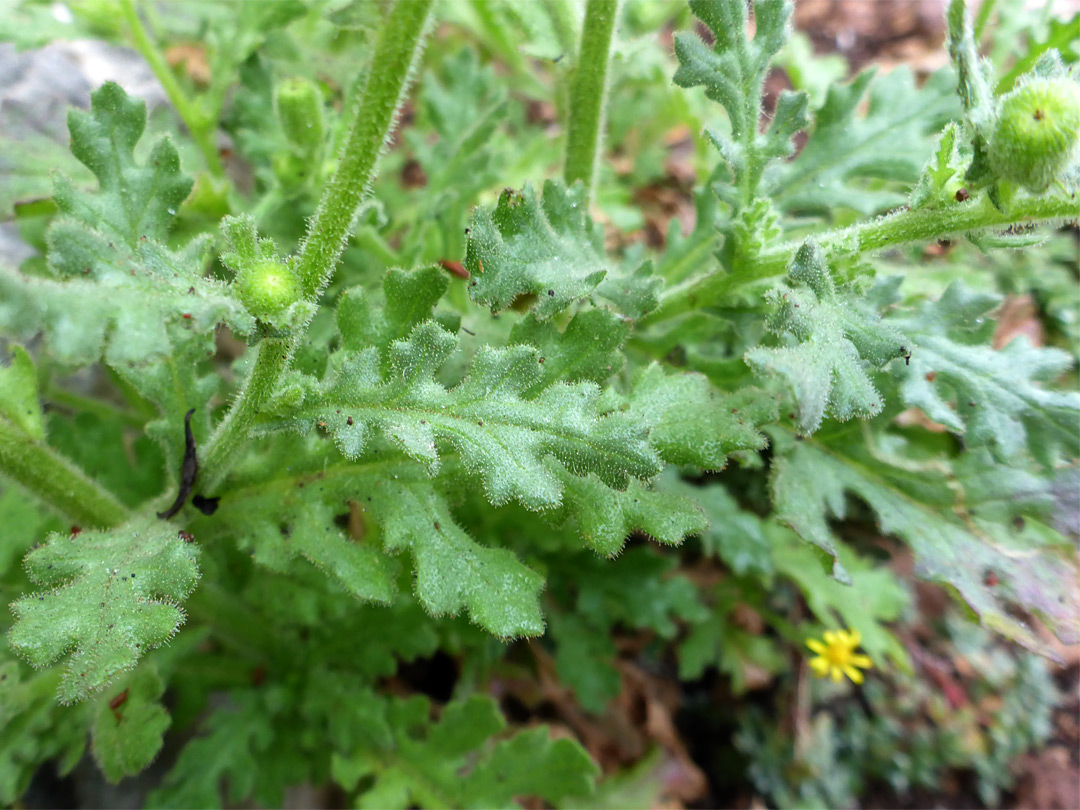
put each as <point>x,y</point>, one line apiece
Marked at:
<point>397,51</point>
<point>588,94</point>
<point>921,225</point>
<point>202,130</point>
<point>57,481</point>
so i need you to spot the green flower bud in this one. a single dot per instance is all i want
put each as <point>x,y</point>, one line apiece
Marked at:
<point>300,111</point>
<point>266,288</point>
<point>1037,132</point>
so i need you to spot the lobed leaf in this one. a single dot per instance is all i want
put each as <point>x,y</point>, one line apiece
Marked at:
<point>690,422</point>
<point>117,289</point>
<point>992,398</point>
<point>831,341</point>
<point>548,248</point>
<point>848,151</point>
<point>414,762</point>
<point>130,724</point>
<point>500,436</point>
<point>991,565</point>
<point>114,596</point>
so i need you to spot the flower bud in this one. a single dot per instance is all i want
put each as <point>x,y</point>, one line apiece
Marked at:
<point>267,287</point>
<point>300,112</point>
<point>1037,132</point>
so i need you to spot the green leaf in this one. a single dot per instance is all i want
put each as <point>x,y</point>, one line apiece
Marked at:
<point>237,739</point>
<point>409,299</point>
<point>423,763</point>
<point>719,641</point>
<point>587,349</point>
<point>501,437</point>
<point>733,73</point>
<point>992,398</point>
<point>548,248</point>
<point>118,288</point>
<point>113,597</point>
<point>831,341</point>
<point>605,517</point>
<point>34,732</point>
<point>453,572</point>
<point>942,175</point>
<point>130,723</point>
<point>989,564</point>
<point>872,597</point>
<point>19,394</point>
<point>848,153</point>
<point>735,535</point>
<point>690,422</point>
<point>639,590</point>
<point>280,528</point>
<point>283,520</point>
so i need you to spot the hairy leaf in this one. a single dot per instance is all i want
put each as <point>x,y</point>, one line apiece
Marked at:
<point>847,151</point>
<point>19,394</point>
<point>130,723</point>
<point>420,763</point>
<point>990,397</point>
<point>115,596</point>
<point>989,564</point>
<point>500,436</point>
<point>548,248</point>
<point>118,288</point>
<point>733,72</point>
<point>692,423</point>
<point>831,341</point>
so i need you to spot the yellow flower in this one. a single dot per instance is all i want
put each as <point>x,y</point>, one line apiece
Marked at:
<point>837,657</point>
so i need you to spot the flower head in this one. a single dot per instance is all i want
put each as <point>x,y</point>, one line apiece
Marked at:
<point>837,656</point>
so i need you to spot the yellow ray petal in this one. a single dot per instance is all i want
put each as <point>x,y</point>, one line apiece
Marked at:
<point>855,675</point>
<point>861,661</point>
<point>816,646</point>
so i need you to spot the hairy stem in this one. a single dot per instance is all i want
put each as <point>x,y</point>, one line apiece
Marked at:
<point>588,94</point>
<point>398,49</point>
<point>273,358</point>
<point>57,481</point>
<point>921,225</point>
<point>201,128</point>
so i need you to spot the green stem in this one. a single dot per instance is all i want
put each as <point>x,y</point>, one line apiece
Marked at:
<point>273,358</point>
<point>56,480</point>
<point>396,52</point>
<point>588,94</point>
<point>202,129</point>
<point>921,225</point>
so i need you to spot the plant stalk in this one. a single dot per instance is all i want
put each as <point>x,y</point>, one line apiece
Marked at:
<point>900,228</point>
<point>588,94</point>
<point>201,128</point>
<point>398,49</point>
<point>396,53</point>
<point>57,481</point>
